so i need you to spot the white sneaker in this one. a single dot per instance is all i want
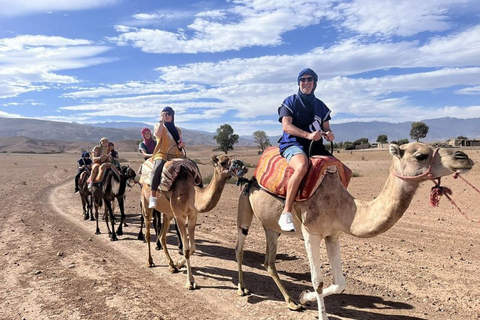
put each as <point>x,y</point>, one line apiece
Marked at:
<point>90,185</point>
<point>285,222</point>
<point>152,202</point>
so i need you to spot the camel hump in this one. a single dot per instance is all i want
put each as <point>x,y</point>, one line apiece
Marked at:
<point>273,173</point>
<point>172,169</point>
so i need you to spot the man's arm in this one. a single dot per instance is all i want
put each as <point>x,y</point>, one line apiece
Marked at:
<point>290,128</point>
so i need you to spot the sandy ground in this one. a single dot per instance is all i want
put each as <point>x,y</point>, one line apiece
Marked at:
<point>53,266</point>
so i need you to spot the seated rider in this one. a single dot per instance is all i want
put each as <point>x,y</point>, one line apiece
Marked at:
<point>304,119</point>
<point>100,156</point>
<point>168,135</point>
<point>113,154</point>
<point>84,164</point>
<point>147,146</point>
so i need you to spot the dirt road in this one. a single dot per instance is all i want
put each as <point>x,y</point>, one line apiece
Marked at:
<point>53,266</point>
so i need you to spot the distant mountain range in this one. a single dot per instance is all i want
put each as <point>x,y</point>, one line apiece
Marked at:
<point>51,133</point>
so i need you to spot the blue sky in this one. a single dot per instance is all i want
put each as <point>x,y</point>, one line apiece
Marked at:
<point>235,61</point>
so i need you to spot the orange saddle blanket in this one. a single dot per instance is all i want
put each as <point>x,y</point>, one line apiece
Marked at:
<point>273,173</point>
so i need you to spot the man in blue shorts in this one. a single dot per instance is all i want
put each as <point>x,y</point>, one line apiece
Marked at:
<point>304,119</point>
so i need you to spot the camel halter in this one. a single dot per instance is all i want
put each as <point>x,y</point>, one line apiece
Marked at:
<point>437,190</point>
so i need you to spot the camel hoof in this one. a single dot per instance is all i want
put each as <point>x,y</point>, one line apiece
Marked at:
<point>243,292</point>
<point>98,232</point>
<point>150,264</point>
<point>85,217</point>
<point>173,269</point>
<point>141,236</point>
<point>114,239</point>
<point>158,247</point>
<point>125,224</point>
<point>92,219</point>
<point>302,299</point>
<point>191,286</point>
<point>120,232</point>
<point>180,251</point>
<point>295,306</point>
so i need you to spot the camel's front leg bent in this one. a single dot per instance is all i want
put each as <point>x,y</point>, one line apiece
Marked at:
<point>333,250</point>
<point>312,245</point>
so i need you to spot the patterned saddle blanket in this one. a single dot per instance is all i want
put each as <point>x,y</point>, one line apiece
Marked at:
<point>171,169</point>
<point>273,173</point>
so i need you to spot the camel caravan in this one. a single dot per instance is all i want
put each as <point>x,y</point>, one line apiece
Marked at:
<point>323,208</point>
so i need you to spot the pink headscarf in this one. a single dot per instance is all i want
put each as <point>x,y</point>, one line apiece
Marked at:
<point>150,143</point>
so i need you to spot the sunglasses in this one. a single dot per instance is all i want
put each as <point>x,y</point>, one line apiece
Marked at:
<point>167,113</point>
<point>309,79</point>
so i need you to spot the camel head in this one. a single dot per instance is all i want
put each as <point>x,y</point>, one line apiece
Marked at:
<point>422,161</point>
<point>129,174</point>
<point>228,167</point>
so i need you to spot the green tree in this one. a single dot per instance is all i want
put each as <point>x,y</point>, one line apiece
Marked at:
<point>261,139</point>
<point>382,138</point>
<point>419,130</point>
<point>402,141</point>
<point>360,141</point>
<point>462,138</point>
<point>225,138</point>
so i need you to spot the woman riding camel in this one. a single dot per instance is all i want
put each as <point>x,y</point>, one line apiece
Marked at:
<point>100,156</point>
<point>168,135</point>
<point>147,146</point>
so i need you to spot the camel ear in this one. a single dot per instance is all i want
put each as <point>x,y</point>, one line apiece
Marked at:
<point>395,150</point>
<point>215,159</point>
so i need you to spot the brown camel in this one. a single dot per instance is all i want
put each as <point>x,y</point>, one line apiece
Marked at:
<point>112,186</point>
<point>86,196</point>
<point>332,210</point>
<point>183,202</point>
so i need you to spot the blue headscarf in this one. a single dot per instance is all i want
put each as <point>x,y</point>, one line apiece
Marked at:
<point>171,125</point>
<point>309,97</point>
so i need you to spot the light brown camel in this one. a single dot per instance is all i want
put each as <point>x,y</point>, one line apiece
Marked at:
<point>332,210</point>
<point>183,202</point>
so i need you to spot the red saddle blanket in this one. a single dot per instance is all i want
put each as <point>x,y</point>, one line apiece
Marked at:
<point>273,173</point>
<point>170,171</point>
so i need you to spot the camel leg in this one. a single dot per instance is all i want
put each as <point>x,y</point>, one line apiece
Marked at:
<point>190,284</point>
<point>272,242</point>
<point>90,206</point>
<point>147,214</point>
<point>84,207</point>
<point>97,231</point>
<point>113,235</point>
<point>339,284</point>
<point>163,239</point>
<point>157,225</point>
<point>122,216</point>
<point>142,221</point>
<point>122,211</point>
<point>312,245</point>
<point>244,220</point>
<point>180,244</point>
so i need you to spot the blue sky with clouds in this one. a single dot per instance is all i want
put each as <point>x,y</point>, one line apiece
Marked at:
<point>235,61</point>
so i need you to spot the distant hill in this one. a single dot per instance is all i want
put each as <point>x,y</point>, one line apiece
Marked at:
<point>114,131</point>
<point>20,135</point>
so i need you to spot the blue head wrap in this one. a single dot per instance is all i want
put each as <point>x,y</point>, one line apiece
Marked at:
<point>85,154</point>
<point>307,71</point>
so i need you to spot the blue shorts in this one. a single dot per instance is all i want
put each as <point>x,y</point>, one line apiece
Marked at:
<point>291,151</point>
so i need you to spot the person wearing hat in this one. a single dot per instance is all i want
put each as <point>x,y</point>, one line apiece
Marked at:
<point>84,164</point>
<point>147,146</point>
<point>100,156</point>
<point>113,155</point>
<point>304,119</point>
<point>168,135</point>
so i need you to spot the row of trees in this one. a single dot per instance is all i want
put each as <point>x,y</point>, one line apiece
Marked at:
<point>226,138</point>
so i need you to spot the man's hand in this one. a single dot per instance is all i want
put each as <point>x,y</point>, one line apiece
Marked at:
<point>315,136</point>
<point>329,136</point>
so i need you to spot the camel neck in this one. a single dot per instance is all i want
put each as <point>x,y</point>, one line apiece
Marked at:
<point>377,216</point>
<point>207,198</point>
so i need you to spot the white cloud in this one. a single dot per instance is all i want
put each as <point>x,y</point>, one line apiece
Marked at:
<point>27,61</point>
<point>25,7</point>
<point>469,91</point>
<point>397,17</point>
<point>256,24</point>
